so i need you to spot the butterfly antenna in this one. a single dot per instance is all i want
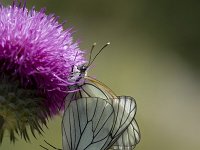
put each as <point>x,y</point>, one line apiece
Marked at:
<point>91,50</point>
<point>99,53</point>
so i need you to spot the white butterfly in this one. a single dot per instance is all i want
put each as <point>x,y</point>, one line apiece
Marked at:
<point>95,118</point>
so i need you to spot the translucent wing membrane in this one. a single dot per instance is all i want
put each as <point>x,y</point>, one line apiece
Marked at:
<point>125,109</point>
<point>90,88</point>
<point>129,139</point>
<point>87,123</point>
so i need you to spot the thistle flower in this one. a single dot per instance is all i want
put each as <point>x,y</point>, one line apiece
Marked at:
<point>36,57</point>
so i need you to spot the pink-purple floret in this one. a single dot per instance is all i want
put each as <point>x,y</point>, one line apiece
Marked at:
<point>36,48</point>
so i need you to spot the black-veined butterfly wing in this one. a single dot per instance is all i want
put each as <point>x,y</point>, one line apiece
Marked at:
<point>124,106</point>
<point>89,87</point>
<point>125,109</point>
<point>129,139</point>
<point>87,123</point>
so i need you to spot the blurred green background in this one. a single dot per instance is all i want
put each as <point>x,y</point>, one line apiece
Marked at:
<point>154,56</point>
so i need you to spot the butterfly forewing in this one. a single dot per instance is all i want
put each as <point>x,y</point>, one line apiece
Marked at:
<point>87,123</point>
<point>92,90</point>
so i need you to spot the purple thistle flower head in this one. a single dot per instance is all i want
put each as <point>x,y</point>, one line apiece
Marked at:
<point>36,57</point>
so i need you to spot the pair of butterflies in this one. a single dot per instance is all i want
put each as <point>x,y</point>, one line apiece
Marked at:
<point>95,118</point>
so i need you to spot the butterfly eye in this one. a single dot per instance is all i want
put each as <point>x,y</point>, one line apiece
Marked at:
<point>82,68</point>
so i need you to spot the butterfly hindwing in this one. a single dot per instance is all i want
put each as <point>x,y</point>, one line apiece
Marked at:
<point>129,139</point>
<point>125,109</point>
<point>87,123</point>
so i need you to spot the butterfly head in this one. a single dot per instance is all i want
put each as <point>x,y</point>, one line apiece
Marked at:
<point>82,69</point>
<point>78,73</point>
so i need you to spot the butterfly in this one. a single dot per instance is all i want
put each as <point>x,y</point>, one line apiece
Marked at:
<point>95,118</point>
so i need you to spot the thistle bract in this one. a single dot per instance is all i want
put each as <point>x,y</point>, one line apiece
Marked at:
<point>36,57</point>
